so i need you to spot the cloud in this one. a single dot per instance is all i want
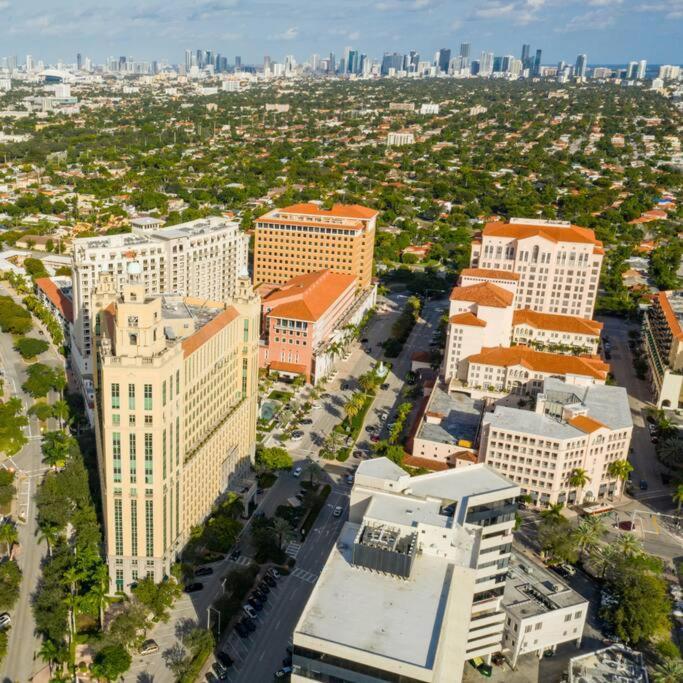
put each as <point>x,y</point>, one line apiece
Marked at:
<point>405,5</point>
<point>292,33</point>
<point>672,9</point>
<point>595,20</point>
<point>520,12</point>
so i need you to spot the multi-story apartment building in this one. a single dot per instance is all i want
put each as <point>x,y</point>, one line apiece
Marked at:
<point>305,238</point>
<point>202,259</point>
<point>541,611</point>
<point>558,263</point>
<point>413,588</point>
<point>556,333</point>
<point>305,318</point>
<point>663,341</point>
<point>176,402</point>
<point>572,427</point>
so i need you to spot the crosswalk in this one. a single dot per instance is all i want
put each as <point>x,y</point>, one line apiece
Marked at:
<point>292,549</point>
<point>304,575</point>
<point>242,560</point>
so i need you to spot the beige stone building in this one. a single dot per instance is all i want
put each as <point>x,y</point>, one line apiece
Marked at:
<point>176,403</point>
<point>304,238</point>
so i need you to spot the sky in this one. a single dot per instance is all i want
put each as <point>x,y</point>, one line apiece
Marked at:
<point>608,31</point>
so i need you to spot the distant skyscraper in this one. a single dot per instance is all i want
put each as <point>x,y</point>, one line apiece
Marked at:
<point>580,68</point>
<point>631,70</point>
<point>352,62</point>
<point>498,64</point>
<point>238,62</point>
<point>79,61</point>
<point>474,68</point>
<point>444,59</point>
<point>391,61</point>
<point>465,50</point>
<point>188,60</point>
<point>413,61</point>
<point>155,67</point>
<point>266,63</point>
<point>332,63</point>
<point>642,68</point>
<point>122,63</point>
<point>486,64</point>
<point>526,54</point>
<point>537,63</point>
<point>29,63</point>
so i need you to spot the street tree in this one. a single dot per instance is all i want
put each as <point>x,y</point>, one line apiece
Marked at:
<point>620,469</point>
<point>273,458</point>
<point>578,479</point>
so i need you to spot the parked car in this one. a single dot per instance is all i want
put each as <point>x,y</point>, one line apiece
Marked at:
<point>337,511</point>
<point>241,631</point>
<point>284,671</point>
<point>260,595</point>
<point>296,472</point>
<point>384,386</point>
<point>270,581</point>
<point>235,553</point>
<point>210,677</point>
<point>249,611</point>
<point>275,573</point>
<point>374,438</point>
<point>643,485</point>
<point>627,525</point>
<point>364,340</point>
<point>357,454</point>
<point>149,647</point>
<point>345,386</point>
<point>5,621</point>
<point>297,435</point>
<point>255,603</point>
<point>370,428</point>
<point>220,670</point>
<point>315,406</point>
<point>193,587</point>
<point>349,478</point>
<point>225,659</point>
<point>307,421</point>
<point>264,587</point>
<point>248,623</point>
<point>203,571</point>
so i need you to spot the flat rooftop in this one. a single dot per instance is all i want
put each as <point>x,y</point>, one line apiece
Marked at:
<point>460,417</point>
<point>406,614</point>
<point>615,664</point>
<point>532,590</point>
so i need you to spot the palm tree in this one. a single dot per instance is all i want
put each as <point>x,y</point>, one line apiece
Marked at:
<point>351,408</point>
<point>678,497</point>
<point>602,558</point>
<point>620,469</point>
<point>553,513</point>
<point>50,653</point>
<point>669,451</point>
<point>48,534</point>
<point>8,536</point>
<point>628,545</point>
<point>587,534</point>
<point>60,409</point>
<point>100,591</point>
<point>578,479</point>
<point>283,530</point>
<point>314,472</point>
<point>668,671</point>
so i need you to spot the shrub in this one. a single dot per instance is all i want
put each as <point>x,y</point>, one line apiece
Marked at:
<point>30,347</point>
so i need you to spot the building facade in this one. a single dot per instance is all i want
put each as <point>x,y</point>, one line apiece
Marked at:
<point>304,319</point>
<point>571,428</point>
<point>176,382</point>
<point>663,342</point>
<point>558,263</point>
<point>304,238</point>
<point>202,259</point>
<point>427,557</point>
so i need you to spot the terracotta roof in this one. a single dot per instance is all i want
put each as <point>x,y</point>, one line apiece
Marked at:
<point>586,424</point>
<point>421,356</point>
<point>426,463</point>
<point>467,318</point>
<point>490,273</point>
<point>559,323</point>
<point>281,366</point>
<point>484,294</point>
<point>554,233</point>
<point>63,304</point>
<point>540,361</point>
<point>671,317</point>
<point>308,297</point>
<point>337,210</point>
<point>204,333</point>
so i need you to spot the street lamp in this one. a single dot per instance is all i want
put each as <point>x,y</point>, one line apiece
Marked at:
<point>208,618</point>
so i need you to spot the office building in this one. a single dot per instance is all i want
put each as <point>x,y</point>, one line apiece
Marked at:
<point>400,138</point>
<point>443,59</point>
<point>537,63</point>
<point>571,427</point>
<point>391,63</point>
<point>631,71</point>
<point>201,258</point>
<point>305,319</point>
<point>305,238</point>
<point>642,68</point>
<point>465,52</point>
<point>581,66</point>
<point>541,611</point>
<point>558,263</point>
<point>427,558</point>
<point>526,56</point>
<point>486,64</point>
<point>176,384</point>
<point>663,342</point>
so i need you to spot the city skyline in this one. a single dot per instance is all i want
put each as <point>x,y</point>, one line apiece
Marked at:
<point>609,32</point>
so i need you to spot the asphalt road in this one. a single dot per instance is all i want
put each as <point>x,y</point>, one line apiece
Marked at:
<point>20,663</point>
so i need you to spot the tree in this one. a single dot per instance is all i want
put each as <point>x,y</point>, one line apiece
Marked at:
<point>628,545</point>
<point>588,533</point>
<point>198,640</point>
<point>51,652</point>
<point>314,472</point>
<point>8,536</point>
<point>56,448</point>
<point>578,479</point>
<point>111,662</point>
<point>620,469</point>
<point>41,379</point>
<point>159,597</point>
<point>7,488</point>
<point>274,458</point>
<point>678,497</point>
<point>4,639</point>
<point>553,513</point>
<point>668,671</point>
<point>30,347</point>
<point>60,410</point>
<point>283,530</point>
<point>10,578</point>
<point>12,422</point>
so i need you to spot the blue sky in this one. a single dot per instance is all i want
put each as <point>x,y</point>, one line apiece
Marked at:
<point>607,30</point>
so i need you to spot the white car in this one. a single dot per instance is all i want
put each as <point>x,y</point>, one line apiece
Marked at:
<point>297,435</point>
<point>315,406</point>
<point>296,472</point>
<point>5,620</point>
<point>337,511</point>
<point>249,611</point>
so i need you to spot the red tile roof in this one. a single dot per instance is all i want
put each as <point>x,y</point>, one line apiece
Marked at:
<point>63,304</point>
<point>484,294</point>
<point>308,297</point>
<point>467,318</point>
<point>671,317</point>
<point>281,366</point>
<point>586,424</point>
<point>204,333</point>
<point>337,211</point>
<point>490,273</point>
<point>540,361</point>
<point>554,233</point>
<point>558,323</point>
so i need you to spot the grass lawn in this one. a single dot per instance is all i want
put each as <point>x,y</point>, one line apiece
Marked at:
<point>277,395</point>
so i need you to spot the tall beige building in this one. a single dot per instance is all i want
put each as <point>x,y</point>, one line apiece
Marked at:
<point>557,264</point>
<point>176,400</point>
<point>304,238</point>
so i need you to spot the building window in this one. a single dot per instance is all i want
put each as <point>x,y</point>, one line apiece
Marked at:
<point>116,419</point>
<point>163,513</point>
<point>148,397</point>
<point>246,329</point>
<point>118,527</point>
<point>163,393</point>
<point>119,580</point>
<point>132,448</point>
<point>131,397</point>
<point>177,382</point>
<point>116,455</point>
<point>568,617</point>
<point>148,458</point>
<point>163,454</point>
<point>149,527</point>
<point>134,527</point>
<point>177,441</point>
<point>115,396</point>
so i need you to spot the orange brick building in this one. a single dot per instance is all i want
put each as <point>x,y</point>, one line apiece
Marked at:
<point>303,238</point>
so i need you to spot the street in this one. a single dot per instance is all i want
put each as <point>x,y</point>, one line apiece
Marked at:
<point>20,663</point>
